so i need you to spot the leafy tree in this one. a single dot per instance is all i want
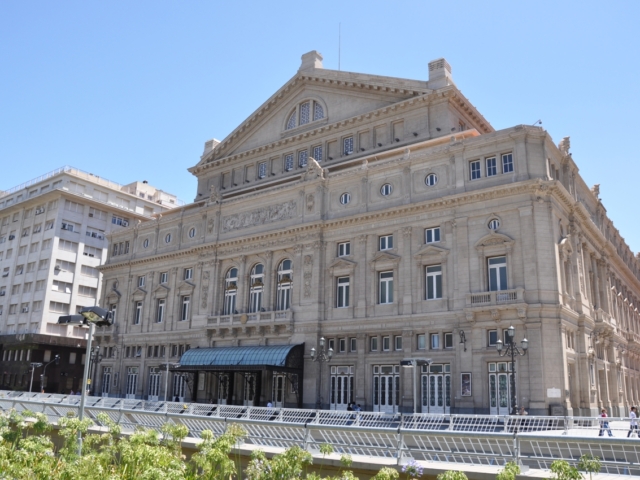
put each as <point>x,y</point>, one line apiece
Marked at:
<point>590,464</point>
<point>452,475</point>
<point>563,471</point>
<point>509,472</point>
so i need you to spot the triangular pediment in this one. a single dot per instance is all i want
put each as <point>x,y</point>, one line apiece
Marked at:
<point>161,290</point>
<point>385,257</point>
<point>431,250</point>
<point>342,264</point>
<point>185,287</point>
<point>139,293</point>
<point>343,95</point>
<point>113,296</point>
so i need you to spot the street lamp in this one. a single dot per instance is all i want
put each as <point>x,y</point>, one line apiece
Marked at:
<point>166,383</point>
<point>96,358</point>
<point>34,365</point>
<point>44,370</point>
<point>513,350</point>
<point>91,316</point>
<point>415,363</point>
<point>321,356</point>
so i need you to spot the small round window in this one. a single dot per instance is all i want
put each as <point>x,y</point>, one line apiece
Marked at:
<point>345,198</point>
<point>192,232</point>
<point>145,244</point>
<point>431,179</point>
<point>167,238</point>
<point>386,189</point>
<point>494,224</point>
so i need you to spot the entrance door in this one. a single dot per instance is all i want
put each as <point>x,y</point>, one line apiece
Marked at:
<point>223,389</point>
<point>106,381</point>
<point>179,387</point>
<point>436,388</point>
<point>386,388</point>
<point>132,382</point>
<point>499,389</point>
<point>154,384</point>
<point>341,387</point>
<point>277,397</point>
<point>249,389</point>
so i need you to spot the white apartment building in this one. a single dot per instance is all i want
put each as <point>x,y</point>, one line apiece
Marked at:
<point>54,233</point>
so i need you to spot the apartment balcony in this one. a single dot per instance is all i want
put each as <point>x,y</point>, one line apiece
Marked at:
<point>502,297</point>
<point>276,322</point>
<point>632,337</point>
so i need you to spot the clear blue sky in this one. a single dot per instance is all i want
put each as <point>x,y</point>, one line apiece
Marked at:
<point>132,90</point>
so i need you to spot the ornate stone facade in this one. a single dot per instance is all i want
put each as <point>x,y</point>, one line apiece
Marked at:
<point>396,223</point>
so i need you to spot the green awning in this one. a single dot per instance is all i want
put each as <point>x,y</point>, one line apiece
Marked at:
<point>245,358</point>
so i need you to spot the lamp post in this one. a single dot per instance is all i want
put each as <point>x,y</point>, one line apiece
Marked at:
<point>34,365</point>
<point>321,356</point>
<point>166,383</point>
<point>56,359</point>
<point>91,316</point>
<point>96,358</point>
<point>513,350</point>
<point>415,363</point>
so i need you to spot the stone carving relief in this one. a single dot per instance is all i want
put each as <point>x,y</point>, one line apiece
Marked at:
<point>307,274</point>
<point>314,170</point>
<point>564,145</point>
<point>214,194</point>
<point>310,203</point>
<point>272,213</point>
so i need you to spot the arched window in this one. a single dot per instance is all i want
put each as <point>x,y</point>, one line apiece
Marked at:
<point>285,285</point>
<point>230,291</point>
<point>256,287</point>
<point>306,112</point>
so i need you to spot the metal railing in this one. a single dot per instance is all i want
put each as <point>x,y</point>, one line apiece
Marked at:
<point>487,440</point>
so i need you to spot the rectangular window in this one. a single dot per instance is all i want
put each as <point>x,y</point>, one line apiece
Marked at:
<point>62,287</point>
<point>65,266</point>
<point>97,214</point>
<point>184,312</point>
<point>46,244</point>
<point>138,314</point>
<point>448,340</point>
<point>141,281</point>
<point>262,169</point>
<point>342,292</point>
<point>497,273</point>
<point>160,310</point>
<point>434,282</point>
<point>31,267</point>
<point>19,269</point>
<point>22,250</point>
<point>422,342</point>
<point>507,163</point>
<point>188,273</point>
<point>34,247</point>
<point>288,162</point>
<point>27,287</point>
<point>69,226</point>
<point>113,308</point>
<point>353,344</point>
<point>73,206</point>
<point>15,290</point>
<point>342,343</point>
<point>72,358</point>
<point>397,342</point>
<point>491,166</point>
<point>386,242</point>
<point>37,228</point>
<point>85,291</point>
<point>163,277</point>
<point>432,235</point>
<point>26,231</point>
<point>92,252</point>
<point>474,170</point>
<point>48,225</point>
<point>492,338</point>
<point>40,285</point>
<point>435,341</point>
<point>67,246</point>
<point>373,344</point>
<point>385,294</point>
<point>302,158</point>
<point>344,249</point>
<point>88,271</point>
<point>347,146</point>
<point>386,344</point>
<point>116,220</point>
<point>317,153</point>
<point>58,307</point>
<point>95,233</point>
<point>332,344</point>
<point>37,306</point>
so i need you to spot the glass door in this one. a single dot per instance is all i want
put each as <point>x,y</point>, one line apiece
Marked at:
<point>132,382</point>
<point>277,397</point>
<point>249,389</point>
<point>341,387</point>
<point>436,388</point>
<point>106,381</point>
<point>154,384</point>
<point>499,389</point>
<point>223,389</point>
<point>386,388</point>
<point>179,387</point>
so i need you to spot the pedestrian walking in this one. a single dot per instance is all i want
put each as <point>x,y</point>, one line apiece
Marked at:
<point>633,422</point>
<point>604,424</point>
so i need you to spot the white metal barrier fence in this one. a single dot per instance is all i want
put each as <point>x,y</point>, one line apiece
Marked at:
<point>457,439</point>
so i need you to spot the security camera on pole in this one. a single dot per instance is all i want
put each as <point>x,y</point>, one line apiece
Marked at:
<point>90,316</point>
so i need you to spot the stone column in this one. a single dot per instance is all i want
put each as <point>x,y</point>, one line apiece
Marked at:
<point>243,286</point>
<point>406,276</point>
<point>268,293</point>
<point>361,278</point>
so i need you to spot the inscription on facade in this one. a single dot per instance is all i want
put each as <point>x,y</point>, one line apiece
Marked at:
<point>272,213</point>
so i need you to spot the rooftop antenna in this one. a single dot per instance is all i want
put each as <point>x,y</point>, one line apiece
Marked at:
<point>339,42</point>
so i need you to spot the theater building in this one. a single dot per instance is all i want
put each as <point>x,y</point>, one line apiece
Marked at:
<point>389,217</point>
